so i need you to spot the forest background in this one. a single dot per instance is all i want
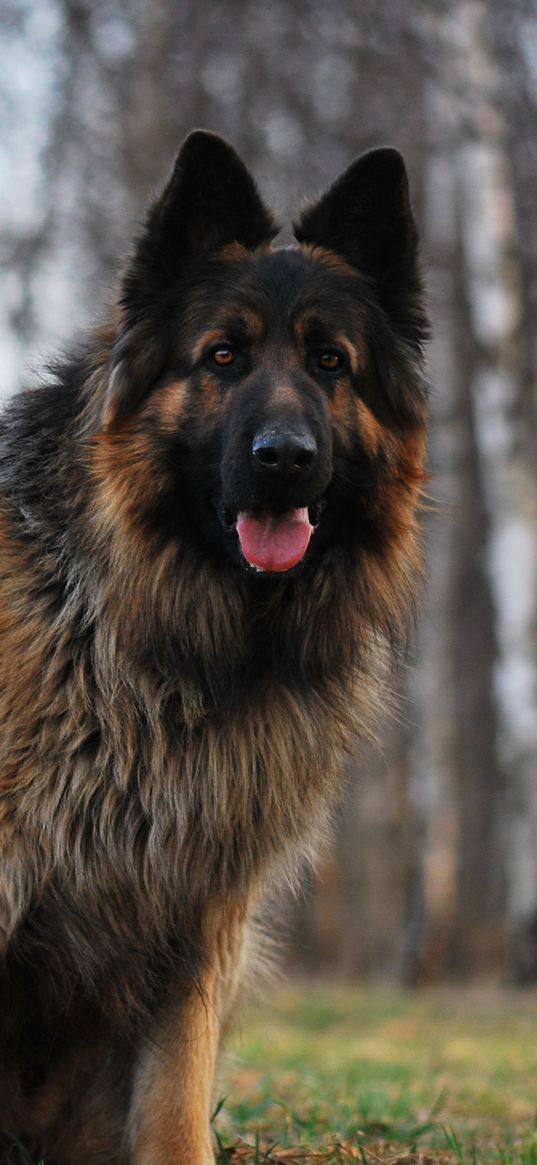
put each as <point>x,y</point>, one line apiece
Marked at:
<point>433,874</point>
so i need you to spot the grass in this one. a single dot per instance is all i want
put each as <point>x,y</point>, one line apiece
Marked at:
<point>326,1076</point>
<point>334,1076</point>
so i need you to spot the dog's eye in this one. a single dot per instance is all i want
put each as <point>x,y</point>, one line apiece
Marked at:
<point>330,361</point>
<point>223,356</point>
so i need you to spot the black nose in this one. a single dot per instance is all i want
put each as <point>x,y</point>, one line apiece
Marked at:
<point>284,452</point>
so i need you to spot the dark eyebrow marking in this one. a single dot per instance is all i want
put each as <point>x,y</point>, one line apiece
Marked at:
<point>313,329</point>
<point>229,326</point>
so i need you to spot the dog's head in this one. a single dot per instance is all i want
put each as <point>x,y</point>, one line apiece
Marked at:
<point>277,393</point>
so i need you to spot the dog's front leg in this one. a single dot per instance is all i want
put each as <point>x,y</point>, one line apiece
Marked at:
<point>173,1094</point>
<point>172,1097</point>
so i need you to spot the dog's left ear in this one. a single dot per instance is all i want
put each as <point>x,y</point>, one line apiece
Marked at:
<point>366,218</point>
<point>211,199</point>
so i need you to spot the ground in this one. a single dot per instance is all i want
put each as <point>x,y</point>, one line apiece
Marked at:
<point>321,1075</point>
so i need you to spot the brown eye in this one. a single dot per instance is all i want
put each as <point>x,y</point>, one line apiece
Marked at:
<point>330,361</point>
<point>223,356</point>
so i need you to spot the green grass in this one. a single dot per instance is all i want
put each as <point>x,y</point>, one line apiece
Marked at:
<point>350,1075</point>
<point>329,1077</point>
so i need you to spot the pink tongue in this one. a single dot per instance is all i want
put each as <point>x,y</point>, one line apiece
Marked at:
<point>275,544</point>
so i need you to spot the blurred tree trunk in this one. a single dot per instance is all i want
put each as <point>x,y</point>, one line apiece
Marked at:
<point>514,488</point>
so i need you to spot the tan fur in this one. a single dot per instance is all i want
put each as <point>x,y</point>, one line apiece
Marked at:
<point>55,784</point>
<point>169,401</point>
<point>173,735</point>
<point>329,259</point>
<point>370,429</point>
<point>174,1094</point>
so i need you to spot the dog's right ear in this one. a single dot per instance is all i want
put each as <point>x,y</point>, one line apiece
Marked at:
<point>210,200</point>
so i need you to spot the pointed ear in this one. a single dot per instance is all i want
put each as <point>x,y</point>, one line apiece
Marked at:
<point>210,200</point>
<point>365,218</point>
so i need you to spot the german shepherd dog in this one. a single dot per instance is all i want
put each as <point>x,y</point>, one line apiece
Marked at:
<point>209,549</point>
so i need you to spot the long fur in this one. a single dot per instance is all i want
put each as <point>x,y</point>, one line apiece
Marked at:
<point>172,726</point>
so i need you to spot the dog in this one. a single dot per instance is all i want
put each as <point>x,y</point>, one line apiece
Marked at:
<point>210,550</point>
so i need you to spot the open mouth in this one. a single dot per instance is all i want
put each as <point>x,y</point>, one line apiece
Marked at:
<point>273,543</point>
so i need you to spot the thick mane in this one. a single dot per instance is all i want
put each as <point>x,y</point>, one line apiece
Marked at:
<point>210,555</point>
